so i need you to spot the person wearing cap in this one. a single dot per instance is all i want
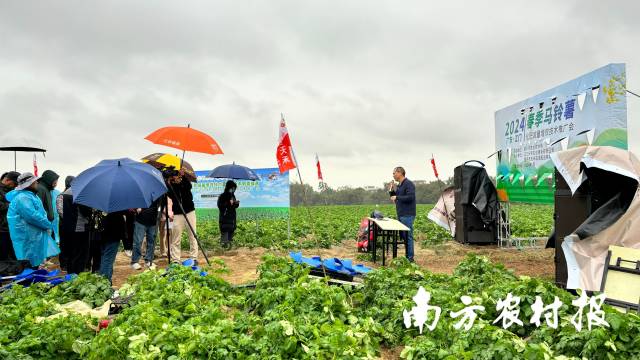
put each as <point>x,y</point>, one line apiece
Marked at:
<point>46,183</point>
<point>8,182</point>
<point>28,223</point>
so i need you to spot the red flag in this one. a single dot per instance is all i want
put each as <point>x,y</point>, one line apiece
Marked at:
<point>319,169</point>
<point>35,165</point>
<point>433,164</point>
<point>284,153</point>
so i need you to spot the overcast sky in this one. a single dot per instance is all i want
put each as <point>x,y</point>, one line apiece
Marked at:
<point>368,85</point>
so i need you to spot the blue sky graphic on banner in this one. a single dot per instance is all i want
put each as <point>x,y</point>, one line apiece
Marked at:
<point>271,191</point>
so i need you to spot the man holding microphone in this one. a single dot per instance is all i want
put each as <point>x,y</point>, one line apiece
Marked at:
<point>404,196</point>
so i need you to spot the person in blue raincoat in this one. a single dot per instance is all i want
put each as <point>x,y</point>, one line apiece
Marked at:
<point>28,223</point>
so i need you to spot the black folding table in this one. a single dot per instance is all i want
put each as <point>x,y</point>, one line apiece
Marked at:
<point>388,230</point>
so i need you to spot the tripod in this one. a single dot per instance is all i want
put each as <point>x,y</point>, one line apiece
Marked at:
<point>165,210</point>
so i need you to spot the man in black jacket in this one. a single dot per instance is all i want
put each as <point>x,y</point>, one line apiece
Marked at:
<point>404,197</point>
<point>181,195</point>
<point>8,182</point>
<point>227,205</point>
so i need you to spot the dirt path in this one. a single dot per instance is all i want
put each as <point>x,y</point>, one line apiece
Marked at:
<point>243,262</point>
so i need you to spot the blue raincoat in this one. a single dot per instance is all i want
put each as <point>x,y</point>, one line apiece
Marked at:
<point>29,228</point>
<point>56,216</point>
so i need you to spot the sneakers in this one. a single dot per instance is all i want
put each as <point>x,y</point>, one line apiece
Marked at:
<point>136,266</point>
<point>129,253</point>
<point>149,265</point>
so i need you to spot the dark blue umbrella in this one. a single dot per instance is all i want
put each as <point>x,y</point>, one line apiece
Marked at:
<point>118,184</point>
<point>233,171</point>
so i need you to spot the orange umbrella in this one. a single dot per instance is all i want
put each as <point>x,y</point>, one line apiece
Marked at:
<point>185,139</point>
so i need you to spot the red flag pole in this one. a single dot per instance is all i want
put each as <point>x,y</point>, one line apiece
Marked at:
<point>320,177</point>
<point>295,161</point>
<point>35,165</point>
<point>304,193</point>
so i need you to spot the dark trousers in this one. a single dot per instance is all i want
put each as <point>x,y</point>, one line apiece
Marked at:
<point>95,251</point>
<point>127,243</point>
<point>77,251</point>
<point>6,247</point>
<point>226,238</point>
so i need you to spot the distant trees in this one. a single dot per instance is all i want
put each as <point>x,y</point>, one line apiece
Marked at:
<point>426,193</point>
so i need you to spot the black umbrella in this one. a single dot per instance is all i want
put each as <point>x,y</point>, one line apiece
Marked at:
<point>16,144</point>
<point>233,171</point>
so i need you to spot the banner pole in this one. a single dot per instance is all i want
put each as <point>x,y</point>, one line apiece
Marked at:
<point>444,202</point>
<point>304,200</point>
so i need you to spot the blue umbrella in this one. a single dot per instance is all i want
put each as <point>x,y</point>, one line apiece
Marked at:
<point>233,171</point>
<point>118,184</point>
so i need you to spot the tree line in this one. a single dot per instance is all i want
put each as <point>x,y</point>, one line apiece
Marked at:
<point>426,193</point>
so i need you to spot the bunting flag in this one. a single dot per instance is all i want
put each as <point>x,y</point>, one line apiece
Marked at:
<point>594,93</point>
<point>35,166</point>
<point>433,165</point>
<point>284,152</point>
<point>581,99</point>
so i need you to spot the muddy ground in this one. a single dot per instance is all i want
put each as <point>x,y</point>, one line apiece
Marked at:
<point>243,262</point>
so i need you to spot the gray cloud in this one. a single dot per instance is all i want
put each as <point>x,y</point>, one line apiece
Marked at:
<point>365,85</point>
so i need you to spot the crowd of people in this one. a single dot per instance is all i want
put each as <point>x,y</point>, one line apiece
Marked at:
<point>37,223</point>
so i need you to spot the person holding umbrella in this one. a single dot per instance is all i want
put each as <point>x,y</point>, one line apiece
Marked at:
<point>185,139</point>
<point>28,223</point>
<point>227,205</point>
<point>163,162</point>
<point>133,185</point>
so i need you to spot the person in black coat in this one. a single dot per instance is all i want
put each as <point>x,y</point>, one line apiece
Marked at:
<point>227,205</point>
<point>74,231</point>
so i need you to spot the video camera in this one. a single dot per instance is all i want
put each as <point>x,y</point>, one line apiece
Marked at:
<point>169,172</point>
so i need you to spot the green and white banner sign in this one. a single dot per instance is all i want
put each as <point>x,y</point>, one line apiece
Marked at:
<point>589,110</point>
